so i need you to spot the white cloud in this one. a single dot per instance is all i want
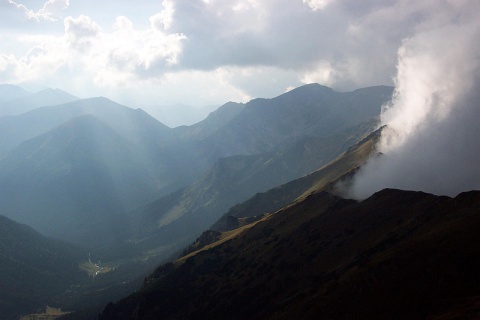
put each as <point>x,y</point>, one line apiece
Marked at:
<point>321,73</point>
<point>123,23</point>
<point>163,20</point>
<point>432,142</point>
<point>50,11</point>
<point>80,33</point>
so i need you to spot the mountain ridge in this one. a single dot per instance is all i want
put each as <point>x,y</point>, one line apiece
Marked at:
<point>314,260</point>
<point>29,102</point>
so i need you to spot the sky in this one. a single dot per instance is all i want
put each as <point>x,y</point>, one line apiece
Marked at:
<point>205,52</point>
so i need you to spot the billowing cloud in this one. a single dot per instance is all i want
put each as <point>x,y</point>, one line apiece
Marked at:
<point>81,32</point>
<point>163,20</point>
<point>432,142</point>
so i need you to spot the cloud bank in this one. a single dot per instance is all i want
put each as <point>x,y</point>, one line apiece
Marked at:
<point>433,139</point>
<point>217,50</point>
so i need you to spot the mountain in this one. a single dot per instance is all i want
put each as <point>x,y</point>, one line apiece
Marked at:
<point>34,269</point>
<point>75,181</point>
<point>25,103</point>
<point>184,214</point>
<point>84,164</point>
<point>10,92</point>
<point>298,126</point>
<point>398,254</point>
<point>265,203</point>
<point>133,124</point>
<point>308,111</point>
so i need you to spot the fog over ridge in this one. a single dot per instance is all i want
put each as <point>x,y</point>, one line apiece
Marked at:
<point>432,142</point>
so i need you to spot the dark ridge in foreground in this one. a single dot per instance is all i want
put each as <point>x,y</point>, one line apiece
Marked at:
<point>396,255</point>
<point>34,270</point>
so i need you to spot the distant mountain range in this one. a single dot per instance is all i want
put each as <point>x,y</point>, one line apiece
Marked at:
<point>75,170</point>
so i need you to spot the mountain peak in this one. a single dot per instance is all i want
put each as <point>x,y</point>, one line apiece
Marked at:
<point>10,92</point>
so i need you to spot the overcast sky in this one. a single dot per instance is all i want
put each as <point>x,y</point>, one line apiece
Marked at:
<point>202,52</point>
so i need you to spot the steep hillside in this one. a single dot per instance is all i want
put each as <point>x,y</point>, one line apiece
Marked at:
<point>33,269</point>
<point>74,182</point>
<point>398,254</point>
<point>25,103</point>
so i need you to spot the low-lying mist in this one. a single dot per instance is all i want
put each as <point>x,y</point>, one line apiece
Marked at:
<point>432,141</point>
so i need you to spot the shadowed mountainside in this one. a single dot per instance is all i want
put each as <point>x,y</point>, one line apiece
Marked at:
<point>33,269</point>
<point>398,254</point>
